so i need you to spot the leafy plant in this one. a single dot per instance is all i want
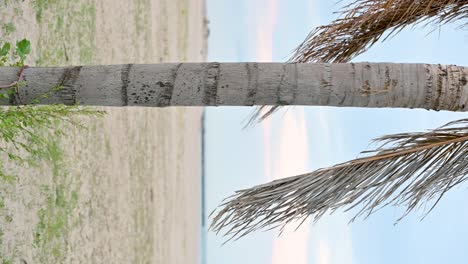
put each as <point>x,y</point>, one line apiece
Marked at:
<point>25,130</point>
<point>4,50</point>
<point>16,57</point>
<point>23,48</point>
<point>29,136</point>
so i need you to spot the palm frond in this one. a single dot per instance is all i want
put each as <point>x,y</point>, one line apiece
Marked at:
<point>364,22</point>
<point>408,169</point>
<point>261,113</point>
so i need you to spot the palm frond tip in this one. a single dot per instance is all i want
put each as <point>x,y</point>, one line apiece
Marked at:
<point>364,22</point>
<point>408,169</point>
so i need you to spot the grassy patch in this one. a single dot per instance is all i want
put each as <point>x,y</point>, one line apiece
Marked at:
<point>3,258</point>
<point>1,243</point>
<point>6,178</point>
<point>6,217</point>
<point>40,6</point>
<point>67,32</point>
<point>5,3</point>
<point>56,215</point>
<point>142,213</point>
<point>142,16</point>
<point>8,28</point>
<point>60,197</point>
<point>86,32</point>
<point>29,136</point>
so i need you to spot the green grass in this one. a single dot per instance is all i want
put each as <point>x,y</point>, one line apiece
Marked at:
<point>42,5</point>
<point>142,214</point>
<point>68,39</point>
<point>8,28</point>
<point>66,36</point>
<point>4,213</point>
<point>142,16</point>
<point>32,133</point>
<point>4,259</point>
<point>56,214</point>
<point>69,29</point>
<point>1,243</point>
<point>59,197</point>
<point>8,218</point>
<point>86,32</point>
<point>5,177</point>
<point>8,2</point>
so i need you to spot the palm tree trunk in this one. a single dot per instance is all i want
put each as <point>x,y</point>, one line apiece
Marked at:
<point>437,87</point>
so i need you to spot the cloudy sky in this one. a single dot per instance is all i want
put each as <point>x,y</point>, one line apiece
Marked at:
<point>301,139</point>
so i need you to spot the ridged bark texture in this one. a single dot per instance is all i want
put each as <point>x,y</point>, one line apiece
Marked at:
<point>437,87</point>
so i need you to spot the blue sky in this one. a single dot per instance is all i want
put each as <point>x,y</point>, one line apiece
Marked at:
<point>268,30</point>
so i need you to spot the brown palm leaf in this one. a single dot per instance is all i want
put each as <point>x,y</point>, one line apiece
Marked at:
<point>408,169</point>
<point>364,22</point>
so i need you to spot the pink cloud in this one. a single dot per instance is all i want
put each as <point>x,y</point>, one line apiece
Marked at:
<point>264,19</point>
<point>288,157</point>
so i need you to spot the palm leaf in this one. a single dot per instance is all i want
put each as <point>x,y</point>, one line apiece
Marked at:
<point>364,22</point>
<point>408,169</point>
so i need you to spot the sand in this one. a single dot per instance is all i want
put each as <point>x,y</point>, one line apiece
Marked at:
<point>127,188</point>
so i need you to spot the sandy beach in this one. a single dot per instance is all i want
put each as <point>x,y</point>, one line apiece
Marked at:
<point>127,188</point>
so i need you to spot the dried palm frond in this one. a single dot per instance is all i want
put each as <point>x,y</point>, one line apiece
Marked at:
<point>261,113</point>
<point>408,169</point>
<point>365,21</point>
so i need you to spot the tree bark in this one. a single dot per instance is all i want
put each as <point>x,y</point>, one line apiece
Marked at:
<point>437,87</point>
